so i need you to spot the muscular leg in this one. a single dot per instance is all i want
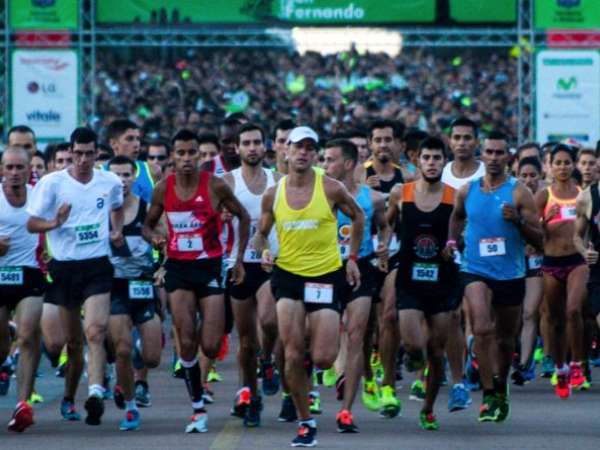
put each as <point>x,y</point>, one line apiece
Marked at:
<point>413,335</point>
<point>150,334</point>
<point>455,346</point>
<point>71,322</point>
<point>120,327</point>
<point>534,291</point>
<point>52,331</point>
<point>388,330</point>
<point>29,313</point>
<point>267,319</point>
<point>212,311</point>
<point>554,298</point>
<point>576,295</point>
<point>507,329</point>
<point>244,314</point>
<point>95,324</point>
<point>324,326</point>
<point>438,332</point>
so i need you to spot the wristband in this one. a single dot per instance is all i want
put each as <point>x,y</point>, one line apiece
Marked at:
<point>450,243</point>
<point>353,257</point>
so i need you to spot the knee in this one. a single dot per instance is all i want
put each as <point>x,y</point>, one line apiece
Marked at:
<point>293,356</point>
<point>74,344</point>
<point>151,358</point>
<point>389,319</point>
<point>324,359</point>
<point>574,313</point>
<point>187,347</point>
<point>211,349</point>
<point>95,333</point>
<point>530,315</point>
<point>483,328</point>
<point>123,350</point>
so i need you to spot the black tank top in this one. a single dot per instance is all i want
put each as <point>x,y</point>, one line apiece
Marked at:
<point>422,270</point>
<point>386,186</point>
<point>132,229</point>
<point>594,230</point>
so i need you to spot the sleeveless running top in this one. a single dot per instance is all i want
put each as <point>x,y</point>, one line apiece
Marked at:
<point>308,236</point>
<point>134,259</point>
<point>494,247</point>
<point>386,186</point>
<point>194,225</point>
<point>344,225</point>
<point>252,203</point>
<point>144,183</point>
<point>217,166</point>
<point>455,182</point>
<point>567,207</point>
<point>13,224</point>
<point>422,269</point>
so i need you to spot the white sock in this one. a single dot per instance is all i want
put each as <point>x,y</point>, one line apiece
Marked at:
<point>130,405</point>
<point>96,390</point>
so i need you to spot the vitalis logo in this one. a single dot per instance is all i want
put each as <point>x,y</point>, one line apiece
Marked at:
<point>43,116</point>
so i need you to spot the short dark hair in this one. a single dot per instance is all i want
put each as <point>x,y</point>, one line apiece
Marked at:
<point>382,123</point>
<point>433,143</point>
<point>122,159</point>
<point>209,138</point>
<point>528,145</point>
<point>119,126</point>
<point>184,135</point>
<point>19,129</point>
<point>285,124</point>
<point>586,151</point>
<point>41,155</point>
<point>249,126</point>
<point>496,135</point>
<point>237,116</point>
<point>84,135</point>
<point>464,122</point>
<point>231,122</point>
<point>413,139</point>
<point>399,129</point>
<point>349,150</point>
<point>160,142</point>
<point>53,149</point>
<point>106,149</point>
<point>562,148</point>
<point>355,133</point>
<point>530,161</point>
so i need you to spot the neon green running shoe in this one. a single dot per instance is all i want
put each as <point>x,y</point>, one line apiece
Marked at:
<point>214,376</point>
<point>314,400</point>
<point>371,395</point>
<point>489,409</point>
<point>35,398</point>
<point>417,391</point>
<point>428,421</point>
<point>538,355</point>
<point>329,377</point>
<point>554,379</point>
<point>63,358</point>
<point>390,405</point>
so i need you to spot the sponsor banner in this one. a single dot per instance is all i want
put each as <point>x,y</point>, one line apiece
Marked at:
<point>477,11</point>
<point>43,14</point>
<point>567,14</point>
<point>44,92</point>
<point>568,96</point>
<point>313,12</point>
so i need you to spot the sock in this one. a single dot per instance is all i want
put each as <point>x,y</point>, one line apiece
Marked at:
<point>130,405</point>
<point>69,399</point>
<point>193,382</point>
<point>562,370</point>
<point>96,390</point>
<point>310,422</point>
<point>499,385</point>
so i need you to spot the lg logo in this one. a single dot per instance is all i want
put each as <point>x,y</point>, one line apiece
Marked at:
<point>34,87</point>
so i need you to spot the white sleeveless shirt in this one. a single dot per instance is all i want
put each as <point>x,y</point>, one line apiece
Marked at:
<point>450,179</point>
<point>13,224</point>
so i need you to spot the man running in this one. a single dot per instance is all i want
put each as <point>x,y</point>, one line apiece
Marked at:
<point>73,208</point>
<point>280,139</point>
<point>191,200</point>
<point>158,155</point>
<point>133,299</point>
<point>308,280</point>
<point>586,164</point>
<point>22,284</point>
<point>341,159</point>
<point>252,300</point>
<point>426,283</point>
<point>499,213</point>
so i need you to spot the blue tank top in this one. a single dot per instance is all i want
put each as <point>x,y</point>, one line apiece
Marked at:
<point>365,201</point>
<point>144,183</point>
<point>494,247</point>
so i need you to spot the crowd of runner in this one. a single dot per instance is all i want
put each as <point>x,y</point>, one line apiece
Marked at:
<point>339,262</point>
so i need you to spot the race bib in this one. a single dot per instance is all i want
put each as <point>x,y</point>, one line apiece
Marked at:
<point>251,255</point>
<point>535,261</point>
<point>11,276</point>
<point>318,293</point>
<point>141,290</point>
<point>189,244</point>
<point>425,272</point>
<point>568,212</point>
<point>492,247</point>
<point>87,234</point>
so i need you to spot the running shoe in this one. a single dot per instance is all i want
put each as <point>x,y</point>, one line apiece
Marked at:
<point>198,423</point>
<point>428,421</point>
<point>577,379</point>
<point>270,377</point>
<point>314,402</point>
<point>306,437</point>
<point>345,422</point>
<point>459,398</point>
<point>252,417</point>
<point>390,405</point>
<point>538,353</point>
<point>472,376</point>
<point>35,398</point>
<point>68,412</point>
<point>376,366</point>
<point>131,421</point>
<point>288,410</point>
<point>241,403</point>
<point>118,397</point>
<point>4,381</point>
<point>142,395</point>
<point>329,377</point>
<point>489,409</point>
<point>107,395</point>
<point>417,391</point>
<point>414,361</point>
<point>340,385</point>
<point>95,408</point>
<point>60,371</point>
<point>214,376</point>
<point>547,367</point>
<point>563,384</point>
<point>207,395</point>
<point>503,402</point>
<point>371,395</point>
<point>22,417</point>
<point>520,375</point>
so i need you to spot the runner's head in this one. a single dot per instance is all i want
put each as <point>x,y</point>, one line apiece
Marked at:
<point>16,167</point>
<point>431,158</point>
<point>124,168</point>
<point>186,154</point>
<point>158,154</point>
<point>381,139</point>
<point>495,154</point>
<point>562,162</point>
<point>22,136</point>
<point>412,142</point>
<point>38,164</point>
<point>359,138</point>
<point>280,136</point>
<point>341,157</point>
<point>529,150</point>
<point>59,156</point>
<point>208,146</point>
<point>227,135</point>
<point>303,145</point>
<point>250,144</point>
<point>463,138</point>
<point>586,164</point>
<point>105,154</point>
<point>84,144</point>
<point>124,137</point>
<point>530,172</point>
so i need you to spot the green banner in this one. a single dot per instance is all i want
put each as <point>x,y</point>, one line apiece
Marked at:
<point>43,14</point>
<point>567,14</point>
<point>478,11</point>
<point>310,12</point>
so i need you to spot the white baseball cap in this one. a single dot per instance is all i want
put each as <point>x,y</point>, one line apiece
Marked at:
<point>300,133</point>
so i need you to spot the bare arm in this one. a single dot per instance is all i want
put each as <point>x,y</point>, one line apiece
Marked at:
<point>582,224</point>
<point>529,223</point>
<point>459,215</point>
<point>154,215</point>
<point>384,231</point>
<point>266,221</point>
<point>393,212</point>
<point>117,219</point>
<point>39,225</point>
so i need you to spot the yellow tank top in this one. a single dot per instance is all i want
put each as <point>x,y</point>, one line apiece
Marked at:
<point>308,236</point>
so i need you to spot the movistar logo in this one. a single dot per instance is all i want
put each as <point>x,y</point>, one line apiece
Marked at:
<point>566,84</point>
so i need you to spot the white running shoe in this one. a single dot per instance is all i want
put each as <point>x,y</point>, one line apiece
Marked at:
<point>198,424</point>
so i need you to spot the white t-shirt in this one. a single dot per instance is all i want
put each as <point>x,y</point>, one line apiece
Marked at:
<point>13,224</point>
<point>450,179</point>
<point>85,234</point>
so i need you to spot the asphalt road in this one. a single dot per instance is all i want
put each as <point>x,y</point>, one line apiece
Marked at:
<point>539,421</point>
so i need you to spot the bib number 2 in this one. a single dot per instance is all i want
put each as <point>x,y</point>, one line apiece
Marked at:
<point>189,244</point>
